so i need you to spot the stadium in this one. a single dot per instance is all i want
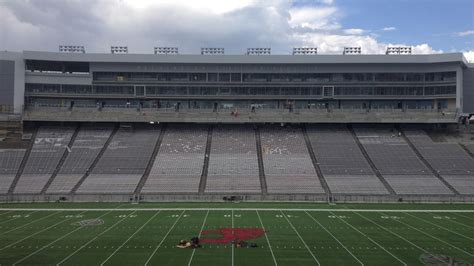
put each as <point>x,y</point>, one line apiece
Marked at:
<point>115,158</point>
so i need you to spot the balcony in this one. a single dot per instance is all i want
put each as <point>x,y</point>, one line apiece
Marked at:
<point>230,115</point>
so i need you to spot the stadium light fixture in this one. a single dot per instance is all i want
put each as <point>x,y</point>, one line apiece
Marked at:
<point>305,51</point>
<point>352,50</point>
<point>119,49</point>
<point>212,51</point>
<point>166,50</point>
<point>72,49</point>
<point>398,50</point>
<point>258,51</point>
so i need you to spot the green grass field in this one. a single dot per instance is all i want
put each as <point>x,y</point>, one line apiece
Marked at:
<point>295,234</point>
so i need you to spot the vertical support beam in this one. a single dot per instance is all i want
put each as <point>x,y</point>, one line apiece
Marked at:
<point>371,163</point>
<point>151,161</point>
<point>96,160</point>
<point>23,161</point>
<point>205,167</point>
<point>61,162</point>
<point>459,90</point>
<point>261,168</point>
<point>319,173</point>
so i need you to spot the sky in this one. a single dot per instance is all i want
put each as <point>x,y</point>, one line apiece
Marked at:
<point>429,26</point>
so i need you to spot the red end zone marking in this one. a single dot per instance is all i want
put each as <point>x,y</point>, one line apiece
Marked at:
<point>227,235</point>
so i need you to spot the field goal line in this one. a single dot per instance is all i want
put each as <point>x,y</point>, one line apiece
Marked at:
<point>235,209</point>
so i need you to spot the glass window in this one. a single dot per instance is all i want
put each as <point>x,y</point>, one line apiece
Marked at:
<point>212,77</point>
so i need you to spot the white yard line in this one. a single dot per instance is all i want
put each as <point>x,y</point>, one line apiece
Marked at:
<point>440,240</point>
<point>399,236</point>
<point>93,239</point>
<point>233,237</point>
<point>316,260</point>
<point>159,245</point>
<point>34,221</point>
<point>62,237</point>
<point>268,241</point>
<point>126,241</point>
<point>462,224</point>
<point>199,236</point>
<point>5,213</point>
<point>14,218</point>
<point>373,241</point>
<point>467,217</point>
<point>237,209</point>
<point>36,233</point>
<point>6,221</point>
<point>335,238</point>
<point>439,226</point>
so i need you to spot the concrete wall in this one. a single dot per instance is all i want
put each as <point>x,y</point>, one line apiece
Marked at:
<point>19,78</point>
<point>58,78</point>
<point>208,116</point>
<point>468,93</point>
<point>7,82</point>
<point>245,197</point>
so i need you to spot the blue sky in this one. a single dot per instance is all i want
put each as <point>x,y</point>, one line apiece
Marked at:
<point>429,26</point>
<point>436,22</point>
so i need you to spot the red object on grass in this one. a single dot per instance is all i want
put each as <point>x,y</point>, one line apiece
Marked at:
<point>227,235</point>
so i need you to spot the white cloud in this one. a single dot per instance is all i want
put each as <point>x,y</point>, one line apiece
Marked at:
<point>424,49</point>
<point>389,29</point>
<point>189,25</point>
<point>469,56</point>
<point>215,6</point>
<point>315,18</point>
<point>465,33</point>
<point>354,31</point>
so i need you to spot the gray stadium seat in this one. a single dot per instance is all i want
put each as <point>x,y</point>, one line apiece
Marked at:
<point>233,163</point>
<point>341,161</point>
<point>288,166</point>
<point>178,165</point>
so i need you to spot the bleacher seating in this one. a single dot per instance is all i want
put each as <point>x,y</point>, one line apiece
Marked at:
<point>445,158</point>
<point>470,147</point>
<point>86,147</point>
<point>397,162</point>
<point>342,163</point>
<point>123,163</point>
<point>233,162</point>
<point>288,166</point>
<point>179,162</point>
<point>417,184</point>
<point>464,184</point>
<point>453,163</point>
<point>389,151</point>
<point>10,160</point>
<point>49,147</point>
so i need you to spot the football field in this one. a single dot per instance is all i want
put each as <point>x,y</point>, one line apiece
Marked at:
<point>280,234</point>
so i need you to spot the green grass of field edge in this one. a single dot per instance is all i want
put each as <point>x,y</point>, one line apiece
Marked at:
<point>293,236</point>
<point>240,205</point>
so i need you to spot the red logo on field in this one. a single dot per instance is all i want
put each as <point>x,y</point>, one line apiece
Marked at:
<point>227,235</point>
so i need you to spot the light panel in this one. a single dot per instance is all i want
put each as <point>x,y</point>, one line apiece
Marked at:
<point>352,50</point>
<point>166,50</point>
<point>71,49</point>
<point>398,50</point>
<point>212,51</point>
<point>119,49</point>
<point>305,51</point>
<point>258,51</point>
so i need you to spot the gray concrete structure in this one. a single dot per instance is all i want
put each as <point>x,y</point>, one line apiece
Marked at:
<point>275,83</point>
<point>468,83</point>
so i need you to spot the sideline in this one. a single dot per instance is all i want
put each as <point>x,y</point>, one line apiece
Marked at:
<point>235,209</point>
